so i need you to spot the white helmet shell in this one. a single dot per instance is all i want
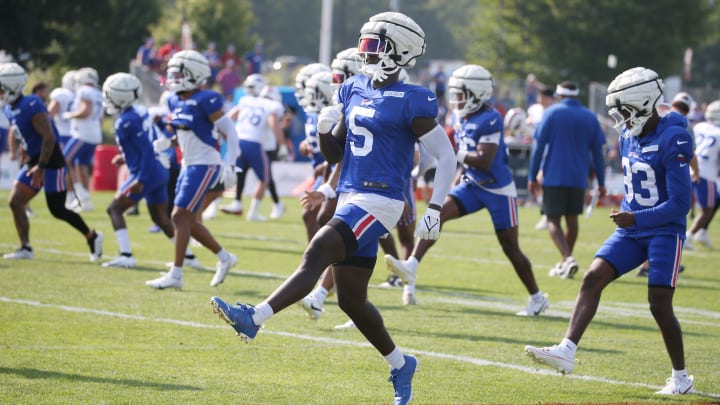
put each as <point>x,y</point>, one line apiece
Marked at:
<point>87,75</point>
<point>120,91</point>
<point>187,70</point>
<point>632,98</point>
<point>254,84</point>
<point>470,85</point>
<point>712,113</point>
<point>303,75</point>
<point>318,91</point>
<point>12,81</point>
<point>347,62</point>
<point>68,80</point>
<point>395,38</point>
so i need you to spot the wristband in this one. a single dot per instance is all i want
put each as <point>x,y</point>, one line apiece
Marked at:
<point>327,191</point>
<point>436,207</point>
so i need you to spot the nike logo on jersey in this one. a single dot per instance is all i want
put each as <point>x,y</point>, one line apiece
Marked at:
<point>126,124</point>
<point>32,103</point>
<point>683,164</point>
<point>432,98</point>
<point>493,121</point>
<point>213,100</point>
<point>682,143</point>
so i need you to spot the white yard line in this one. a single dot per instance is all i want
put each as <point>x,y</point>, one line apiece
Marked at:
<point>340,342</point>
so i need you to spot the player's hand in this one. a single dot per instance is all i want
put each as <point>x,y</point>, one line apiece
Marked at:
<point>161,143</point>
<point>328,117</point>
<point>429,225</point>
<point>67,115</point>
<point>136,187</point>
<point>228,177</point>
<point>312,199</point>
<point>623,219</point>
<point>37,176</point>
<point>118,160</point>
<point>533,188</point>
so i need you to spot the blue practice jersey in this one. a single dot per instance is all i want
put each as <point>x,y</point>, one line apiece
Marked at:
<point>380,145</point>
<point>312,139</point>
<point>657,178</point>
<point>193,127</point>
<point>20,115</point>
<point>133,134</point>
<point>485,126</point>
<point>572,135</point>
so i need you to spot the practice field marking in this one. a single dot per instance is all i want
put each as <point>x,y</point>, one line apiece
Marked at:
<point>340,342</point>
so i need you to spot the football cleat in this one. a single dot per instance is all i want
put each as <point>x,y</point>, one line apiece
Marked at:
<point>278,210</point>
<point>121,261</point>
<point>222,268</point>
<point>256,218</point>
<point>21,254</point>
<point>401,269</point>
<point>347,325</point>
<point>557,357</point>
<point>392,281</point>
<point>702,238</point>
<point>569,268</point>
<point>313,308</point>
<point>239,317</point>
<point>678,386</point>
<point>401,380</point>
<point>96,246</point>
<point>542,223</point>
<point>234,208</point>
<point>189,261</point>
<point>165,281</point>
<point>535,308</point>
<point>408,298</point>
<point>556,271</point>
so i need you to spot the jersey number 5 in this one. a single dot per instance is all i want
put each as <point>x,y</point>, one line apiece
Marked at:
<point>361,132</point>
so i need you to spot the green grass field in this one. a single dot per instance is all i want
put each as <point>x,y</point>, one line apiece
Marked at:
<point>75,332</point>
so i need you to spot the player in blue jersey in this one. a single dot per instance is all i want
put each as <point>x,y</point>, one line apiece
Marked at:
<point>376,125</point>
<point>195,114</point>
<point>655,154</point>
<point>148,178</point>
<point>45,166</point>
<point>566,138</point>
<point>487,182</point>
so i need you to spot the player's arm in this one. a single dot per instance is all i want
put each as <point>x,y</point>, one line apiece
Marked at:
<point>84,111</point>
<point>437,143</point>
<point>332,138</point>
<point>483,156</point>
<point>234,113</point>
<point>41,124</point>
<point>225,126</point>
<point>53,108</point>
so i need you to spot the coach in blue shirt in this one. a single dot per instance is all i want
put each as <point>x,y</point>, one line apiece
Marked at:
<point>565,140</point>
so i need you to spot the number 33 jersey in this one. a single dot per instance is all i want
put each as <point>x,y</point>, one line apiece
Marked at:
<point>379,147</point>
<point>657,178</point>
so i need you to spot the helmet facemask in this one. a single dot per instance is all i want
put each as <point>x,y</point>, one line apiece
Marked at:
<point>382,47</point>
<point>628,121</point>
<point>462,96</point>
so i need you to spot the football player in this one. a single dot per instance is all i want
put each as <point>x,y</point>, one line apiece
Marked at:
<point>44,168</point>
<point>656,153</point>
<point>374,130</point>
<point>61,100</point>
<point>195,112</point>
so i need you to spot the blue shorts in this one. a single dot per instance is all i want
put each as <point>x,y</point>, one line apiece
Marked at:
<point>63,140</point>
<point>706,193</point>
<point>79,152</point>
<point>54,179</point>
<point>3,139</point>
<point>254,157</point>
<point>471,198</point>
<point>625,253</point>
<point>366,228</point>
<point>154,192</point>
<point>193,183</point>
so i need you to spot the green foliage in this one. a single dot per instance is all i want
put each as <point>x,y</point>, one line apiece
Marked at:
<point>224,22</point>
<point>74,332</point>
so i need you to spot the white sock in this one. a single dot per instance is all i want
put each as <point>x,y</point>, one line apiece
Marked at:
<point>175,272</point>
<point>320,294</point>
<point>254,206</point>
<point>263,312</point>
<point>413,262</point>
<point>223,255</point>
<point>409,288</point>
<point>569,344</point>
<point>123,240</point>
<point>396,359</point>
<point>80,191</point>
<point>538,296</point>
<point>682,374</point>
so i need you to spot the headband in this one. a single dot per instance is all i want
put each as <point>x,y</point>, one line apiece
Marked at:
<point>564,91</point>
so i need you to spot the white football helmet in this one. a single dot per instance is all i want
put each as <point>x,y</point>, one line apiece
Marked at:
<point>712,113</point>
<point>187,70</point>
<point>68,80</point>
<point>272,93</point>
<point>120,91</point>
<point>254,84</point>
<point>632,99</point>
<point>515,122</point>
<point>12,82</point>
<point>395,39</point>
<point>318,92</point>
<point>346,63</point>
<point>86,75</point>
<point>303,75</point>
<point>471,86</point>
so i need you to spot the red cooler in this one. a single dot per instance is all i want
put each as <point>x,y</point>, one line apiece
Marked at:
<point>104,175</point>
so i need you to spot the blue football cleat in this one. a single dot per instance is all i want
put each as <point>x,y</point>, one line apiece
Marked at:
<point>239,317</point>
<point>402,380</point>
